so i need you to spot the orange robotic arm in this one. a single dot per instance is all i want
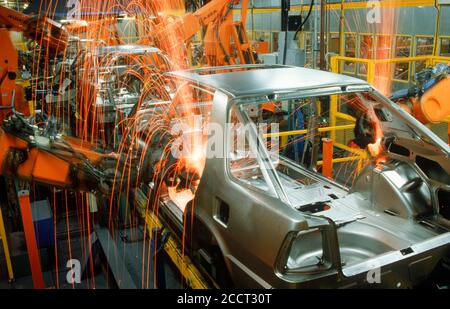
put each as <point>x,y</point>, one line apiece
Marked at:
<point>44,31</point>
<point>103,30</point>
<point>428,100</point>
<point>171,33</point>
<point>191,23</point>
<point>13,20</point>
<point>226,41</point>
<point>56,161</point>
<point>434,105</point>
<point>10,93</point>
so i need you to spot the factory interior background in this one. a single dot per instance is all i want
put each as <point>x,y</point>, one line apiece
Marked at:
<point>328,121</point>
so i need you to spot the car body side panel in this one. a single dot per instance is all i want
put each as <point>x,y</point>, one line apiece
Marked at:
<point>257,222</point>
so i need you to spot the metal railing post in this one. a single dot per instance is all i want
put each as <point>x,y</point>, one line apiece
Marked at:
<point>327,166</point>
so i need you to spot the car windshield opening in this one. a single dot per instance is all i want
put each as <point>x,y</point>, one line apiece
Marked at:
<point>304,136</point>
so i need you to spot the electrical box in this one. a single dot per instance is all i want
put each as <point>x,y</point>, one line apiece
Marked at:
<point>294,22</point>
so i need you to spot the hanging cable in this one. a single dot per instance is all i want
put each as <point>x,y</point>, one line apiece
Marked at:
<point>285,17</point>
<point>304,22</point>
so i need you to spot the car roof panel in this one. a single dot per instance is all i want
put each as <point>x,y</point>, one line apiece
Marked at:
<point>245,80</point>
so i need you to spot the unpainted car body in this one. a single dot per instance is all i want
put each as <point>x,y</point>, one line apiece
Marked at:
<point>390,227</point>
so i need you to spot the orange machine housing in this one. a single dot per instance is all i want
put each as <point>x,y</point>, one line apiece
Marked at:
<point>11,94</point>
<point>51,167</point>
<point>225,40</point>
<point>261,47</point>
<point>434,105</point>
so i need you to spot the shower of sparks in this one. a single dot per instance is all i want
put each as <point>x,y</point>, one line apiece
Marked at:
<point>76,84</point>
<point>75,88</point>
<point>387,29</point>
<point>377,43</point>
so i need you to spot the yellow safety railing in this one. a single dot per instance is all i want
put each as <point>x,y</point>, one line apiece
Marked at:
<point>337,67</point>
<point>340,121</point>
<point>302,132</point>
<point>358,154</point>
<point>4,241</point>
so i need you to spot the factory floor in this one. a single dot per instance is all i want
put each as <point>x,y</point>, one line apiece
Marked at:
<point>121,259</point>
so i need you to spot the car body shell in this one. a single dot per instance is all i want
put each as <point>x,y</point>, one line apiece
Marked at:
<point>260,230</point>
